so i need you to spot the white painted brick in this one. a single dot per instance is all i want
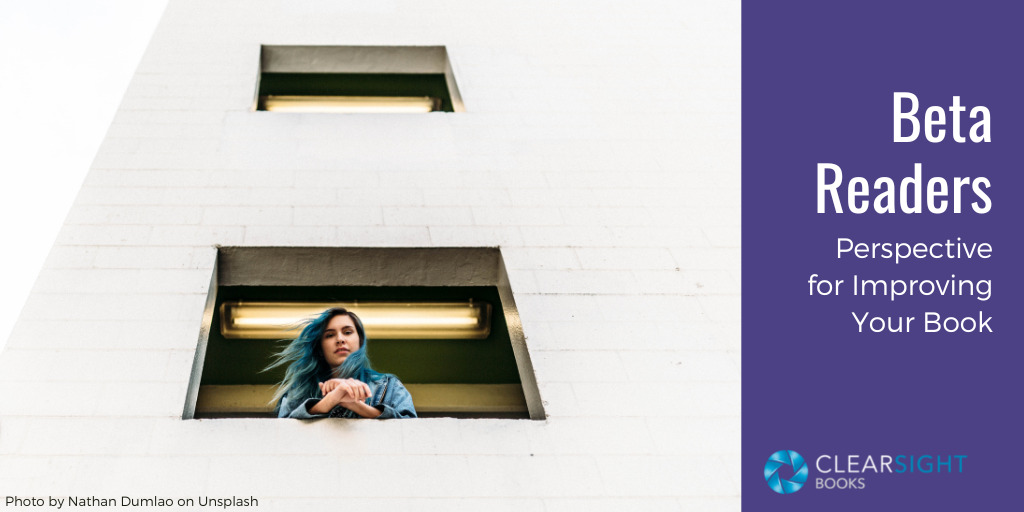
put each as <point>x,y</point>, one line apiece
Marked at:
<point>181,196</point>
<point>579,365</point>
<point>212,196</point>
<point>197,235</point>
<point>427,216</point>
<point>564,236</point>
<point>544,197</point>
<point>111,476</point>
<point>338,216</point>
<point>723,236</point>
<point>244,216</point>
<point>129,137</point>
<point>87,281</point>
<point>204,257</point>
<point>680,236</point>
<point>585,281</point>
<point>272,196</point>
<point>92,306</point>
<point>520,177</point>
<point>681,436</point>
<point>153,116</point>
<point>690,258</point>
<point>592,436</point>
<point>652,476</point>
<point>667,282</point>
<point>722,309</point>
<point>291,235</point>
<point>559,399</point>
<point>679,366</point>
<point>378,439</point>
<point>386,236</point>
<point>190,281</point>
<point>148,399</point>
<point>183,162</point>
<point>690,198</point>
<point>691,215</point>
<point>13,432</point>
<point>94,399</point>
<point>423,476</point>
<point>76,256</point>
<point>517,216</point>
<point>29,475</point>
<point>614,504</point>
<point>480,236</point>
<point>234,178</point>
<point>442,438</point>
<point>732,465</point>
<point>537,476</point>
<point>615,236</point>
<point>336,438</point>
<point>53,436</point>
<point>586,334</point>
<point>337,179</point>
<point>714,282</point>
<point>540,258</point>
<point>451,504</point>
<point>727,336</point>
<point>625,259</point>
<point>492,437</point>
<point>348,196</point>
<point>144,257</point>
<point>93,334</point>
<point>597,307</point>
<point>669,399</point>
<point>729,503</point>
<point>611,179</point>
<point>104,235</point>
<point>521,280</point>
<point>176,146</point>
<point>596,188</point>
<point>134,177</point>
<point>372,142</point>
<point>617,216</point>
<point>466,197</point>
<point>113,195</point>
<point>179,365</point>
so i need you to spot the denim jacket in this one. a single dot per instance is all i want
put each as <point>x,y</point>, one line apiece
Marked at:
<point>387,394</point>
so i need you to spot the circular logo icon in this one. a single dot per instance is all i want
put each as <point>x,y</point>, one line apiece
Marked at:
<point>787,462</point>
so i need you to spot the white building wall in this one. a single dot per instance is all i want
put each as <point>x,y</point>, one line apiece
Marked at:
<point>600,150</point>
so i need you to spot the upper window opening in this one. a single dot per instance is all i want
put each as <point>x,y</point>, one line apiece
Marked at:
<point>357,79</point>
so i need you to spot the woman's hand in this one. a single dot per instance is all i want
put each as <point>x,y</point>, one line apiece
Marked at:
<point>349,393</point>
<point>345,390</point>
<point>340,391</point>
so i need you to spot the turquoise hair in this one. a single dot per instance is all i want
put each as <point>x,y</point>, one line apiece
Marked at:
<point>306,365</point>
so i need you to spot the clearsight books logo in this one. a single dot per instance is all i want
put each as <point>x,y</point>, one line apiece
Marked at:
<point>777,464</point>
<point>786,471</point>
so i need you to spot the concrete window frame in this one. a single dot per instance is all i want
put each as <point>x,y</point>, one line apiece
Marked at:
<point>415,60</point>
<point>366,266</point>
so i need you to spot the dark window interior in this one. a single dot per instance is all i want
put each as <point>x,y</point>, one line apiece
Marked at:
<point>242,362</point>
<point>356,84</point>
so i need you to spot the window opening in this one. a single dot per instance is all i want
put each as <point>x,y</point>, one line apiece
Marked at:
<point>479,369</point>
<point>357,79</point>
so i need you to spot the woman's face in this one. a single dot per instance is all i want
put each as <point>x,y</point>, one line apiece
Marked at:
<point>340,340</point>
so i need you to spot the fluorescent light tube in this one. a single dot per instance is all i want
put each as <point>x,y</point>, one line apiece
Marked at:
<point>382,320</point>
<point>351,104</point>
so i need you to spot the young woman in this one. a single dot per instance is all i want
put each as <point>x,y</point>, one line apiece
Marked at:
<point>329,374</point>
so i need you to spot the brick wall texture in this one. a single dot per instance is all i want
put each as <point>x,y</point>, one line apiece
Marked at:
<point>600,150</point>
